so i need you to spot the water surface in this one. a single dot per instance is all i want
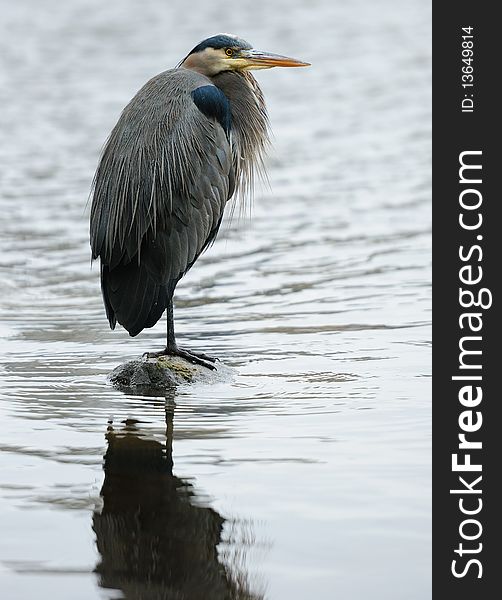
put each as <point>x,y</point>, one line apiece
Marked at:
<point>308,474</point>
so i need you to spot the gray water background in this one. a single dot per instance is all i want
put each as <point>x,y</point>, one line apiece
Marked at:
<point>317,453</point>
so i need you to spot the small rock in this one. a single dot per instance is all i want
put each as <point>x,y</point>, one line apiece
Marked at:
<point>156,376</point>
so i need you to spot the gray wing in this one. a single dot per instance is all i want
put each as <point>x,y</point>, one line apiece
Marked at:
<point>159,194</point>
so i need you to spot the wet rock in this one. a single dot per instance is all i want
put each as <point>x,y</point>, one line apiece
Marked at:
<point>156,376</point>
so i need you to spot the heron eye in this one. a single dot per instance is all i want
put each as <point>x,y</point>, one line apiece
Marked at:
<point>229,51</point>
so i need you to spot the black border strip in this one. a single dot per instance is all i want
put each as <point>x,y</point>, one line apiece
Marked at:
<point>467,257</point>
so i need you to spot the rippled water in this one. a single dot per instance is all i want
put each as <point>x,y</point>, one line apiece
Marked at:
<point>308,474</point>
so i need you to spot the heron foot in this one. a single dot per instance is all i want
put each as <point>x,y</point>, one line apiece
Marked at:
<point>196,358</point>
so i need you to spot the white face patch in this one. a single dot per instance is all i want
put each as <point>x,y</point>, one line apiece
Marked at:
<point>209,62</point>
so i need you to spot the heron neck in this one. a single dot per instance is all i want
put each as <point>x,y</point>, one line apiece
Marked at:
<point>250,136</point>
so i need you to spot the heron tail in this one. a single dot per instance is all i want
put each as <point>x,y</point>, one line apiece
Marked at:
<point>132,298</point>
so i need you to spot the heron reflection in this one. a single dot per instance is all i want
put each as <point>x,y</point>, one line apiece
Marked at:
<point>154,542</point>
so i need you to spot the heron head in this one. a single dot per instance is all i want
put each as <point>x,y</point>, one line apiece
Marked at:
<point>227,52</point>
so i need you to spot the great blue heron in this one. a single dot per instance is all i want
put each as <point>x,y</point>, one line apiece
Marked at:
<point>189,138</point>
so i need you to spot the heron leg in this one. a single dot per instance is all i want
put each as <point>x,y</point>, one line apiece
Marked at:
<point>172,348</point>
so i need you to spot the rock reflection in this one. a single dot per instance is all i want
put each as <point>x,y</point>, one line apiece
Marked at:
<point>155,542</point>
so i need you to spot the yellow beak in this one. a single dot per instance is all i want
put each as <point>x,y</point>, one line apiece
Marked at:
<point>255,59</point>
